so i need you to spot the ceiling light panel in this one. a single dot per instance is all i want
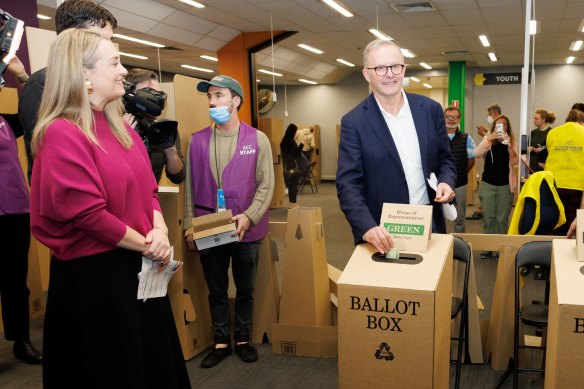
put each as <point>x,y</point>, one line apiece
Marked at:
<point>338,7</point>
<point>378,34</point>
<point>192,3</point>
<point>576,45</point>
<point>141,41</point>
<point>425,65</point>
<point>270,73</point>
<point>133,55</point>
<point>208,57</point>
<point>307,81</point>
<point>197,68</point>
<point>484,40</point>
<point>345,62</point>
<point>407,53</point>
<point>310,48</point>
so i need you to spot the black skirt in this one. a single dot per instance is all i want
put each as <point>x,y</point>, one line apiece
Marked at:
<point>97,333</point>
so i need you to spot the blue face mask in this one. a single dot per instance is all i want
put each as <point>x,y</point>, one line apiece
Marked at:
<point>220,115</point>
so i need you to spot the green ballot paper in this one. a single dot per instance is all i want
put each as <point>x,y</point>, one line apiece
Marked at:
<point>393,253</point>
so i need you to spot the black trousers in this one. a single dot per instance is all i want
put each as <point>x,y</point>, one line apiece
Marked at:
<point>99,335</point>
<point>292,182</point>
<point>244,258</point>
<point>14,241</point>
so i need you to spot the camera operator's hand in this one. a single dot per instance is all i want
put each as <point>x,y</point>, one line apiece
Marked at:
<point>130,119</point>
<point>17,69</point>
<point>173,163</point>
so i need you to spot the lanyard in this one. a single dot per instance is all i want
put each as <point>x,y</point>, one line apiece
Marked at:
<point>216,159</point>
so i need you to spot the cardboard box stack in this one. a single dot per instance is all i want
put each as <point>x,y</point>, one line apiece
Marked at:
<point>305,325</point>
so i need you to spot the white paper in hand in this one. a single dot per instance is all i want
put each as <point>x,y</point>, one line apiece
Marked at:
<point>449,210</point>
<point>153,282</point>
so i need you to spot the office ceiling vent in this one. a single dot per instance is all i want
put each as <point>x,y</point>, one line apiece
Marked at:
<point>454,52</point>
<point>425,6</point>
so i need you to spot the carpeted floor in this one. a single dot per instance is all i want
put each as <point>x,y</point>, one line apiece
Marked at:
<point>277,371</point>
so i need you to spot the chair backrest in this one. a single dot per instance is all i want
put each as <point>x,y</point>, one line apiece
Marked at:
<point>311,168</point>
<point>534,253</point>
<point>461,250</point>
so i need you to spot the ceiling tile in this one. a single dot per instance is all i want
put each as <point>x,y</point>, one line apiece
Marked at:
<point>224,33</point>
<point>132,21</point>
<point>189,22</point>
<point>176,34</point>
<point>147,8</point>
<point>209,43</point>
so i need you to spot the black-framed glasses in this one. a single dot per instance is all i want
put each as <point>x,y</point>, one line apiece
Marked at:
<point>382,70</point>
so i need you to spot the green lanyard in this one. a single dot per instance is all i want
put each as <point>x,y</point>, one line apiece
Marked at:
<point>216,159</point>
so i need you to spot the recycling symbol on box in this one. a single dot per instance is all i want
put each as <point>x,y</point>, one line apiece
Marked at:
<point>383,352</point>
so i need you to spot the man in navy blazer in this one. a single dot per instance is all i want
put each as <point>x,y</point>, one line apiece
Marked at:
<point>390,144</point>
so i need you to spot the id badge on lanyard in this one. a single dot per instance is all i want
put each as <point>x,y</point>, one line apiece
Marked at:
<point>221,200</point>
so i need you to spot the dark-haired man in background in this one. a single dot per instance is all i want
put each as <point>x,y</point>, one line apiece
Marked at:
<point>83,14</point>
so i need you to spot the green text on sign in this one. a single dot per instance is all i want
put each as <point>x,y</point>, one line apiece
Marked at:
<point>404,229</point>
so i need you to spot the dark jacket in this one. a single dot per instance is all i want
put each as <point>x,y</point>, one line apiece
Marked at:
<point>370,171</point>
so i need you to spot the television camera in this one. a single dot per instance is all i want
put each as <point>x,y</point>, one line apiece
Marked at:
<point>146,105</point>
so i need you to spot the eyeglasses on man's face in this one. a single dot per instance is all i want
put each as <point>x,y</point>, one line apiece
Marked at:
<point>451,117</point>
<point>381,70</point>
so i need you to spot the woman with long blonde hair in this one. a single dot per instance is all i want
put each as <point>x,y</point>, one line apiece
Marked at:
<point>94,203</point>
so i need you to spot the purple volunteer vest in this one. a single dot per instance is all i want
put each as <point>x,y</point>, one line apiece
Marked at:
<point>238,178</point>
<point>14,197</point>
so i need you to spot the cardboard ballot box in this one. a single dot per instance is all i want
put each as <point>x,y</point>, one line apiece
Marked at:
<point>394,319</point>
<point>214,229</point>
<point>565,338</point>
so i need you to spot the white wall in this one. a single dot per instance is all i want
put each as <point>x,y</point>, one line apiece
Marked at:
<point>556,89</point>
<point>323,105</point>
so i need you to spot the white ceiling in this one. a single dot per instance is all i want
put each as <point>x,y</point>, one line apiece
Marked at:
<point>454,25</point>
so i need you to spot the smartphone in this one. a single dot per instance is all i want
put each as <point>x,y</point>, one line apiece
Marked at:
<point>499,129</point>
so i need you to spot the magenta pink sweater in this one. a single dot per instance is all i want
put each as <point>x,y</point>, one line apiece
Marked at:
<point>83,196</point>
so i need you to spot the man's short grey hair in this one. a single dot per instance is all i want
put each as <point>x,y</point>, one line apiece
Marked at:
<point>374,44</point>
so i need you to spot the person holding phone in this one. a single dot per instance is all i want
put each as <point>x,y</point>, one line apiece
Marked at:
<point>498,180</point>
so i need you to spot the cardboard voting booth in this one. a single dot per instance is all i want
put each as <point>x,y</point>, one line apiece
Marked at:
<point>394,318</point>
<point>214,229</point>
<point>305,325</point>
<point>187,289</point>
<point>580,234</point>
<point>565,340</point>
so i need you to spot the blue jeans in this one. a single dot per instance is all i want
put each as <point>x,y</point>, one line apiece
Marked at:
<point>215,263</point>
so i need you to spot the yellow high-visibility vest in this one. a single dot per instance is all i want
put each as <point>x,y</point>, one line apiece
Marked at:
<point>565,146</point>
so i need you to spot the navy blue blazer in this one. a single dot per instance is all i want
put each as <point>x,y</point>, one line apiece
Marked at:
<point>370,171</point>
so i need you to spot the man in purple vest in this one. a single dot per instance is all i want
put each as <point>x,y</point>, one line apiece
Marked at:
<point>233,159</point>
